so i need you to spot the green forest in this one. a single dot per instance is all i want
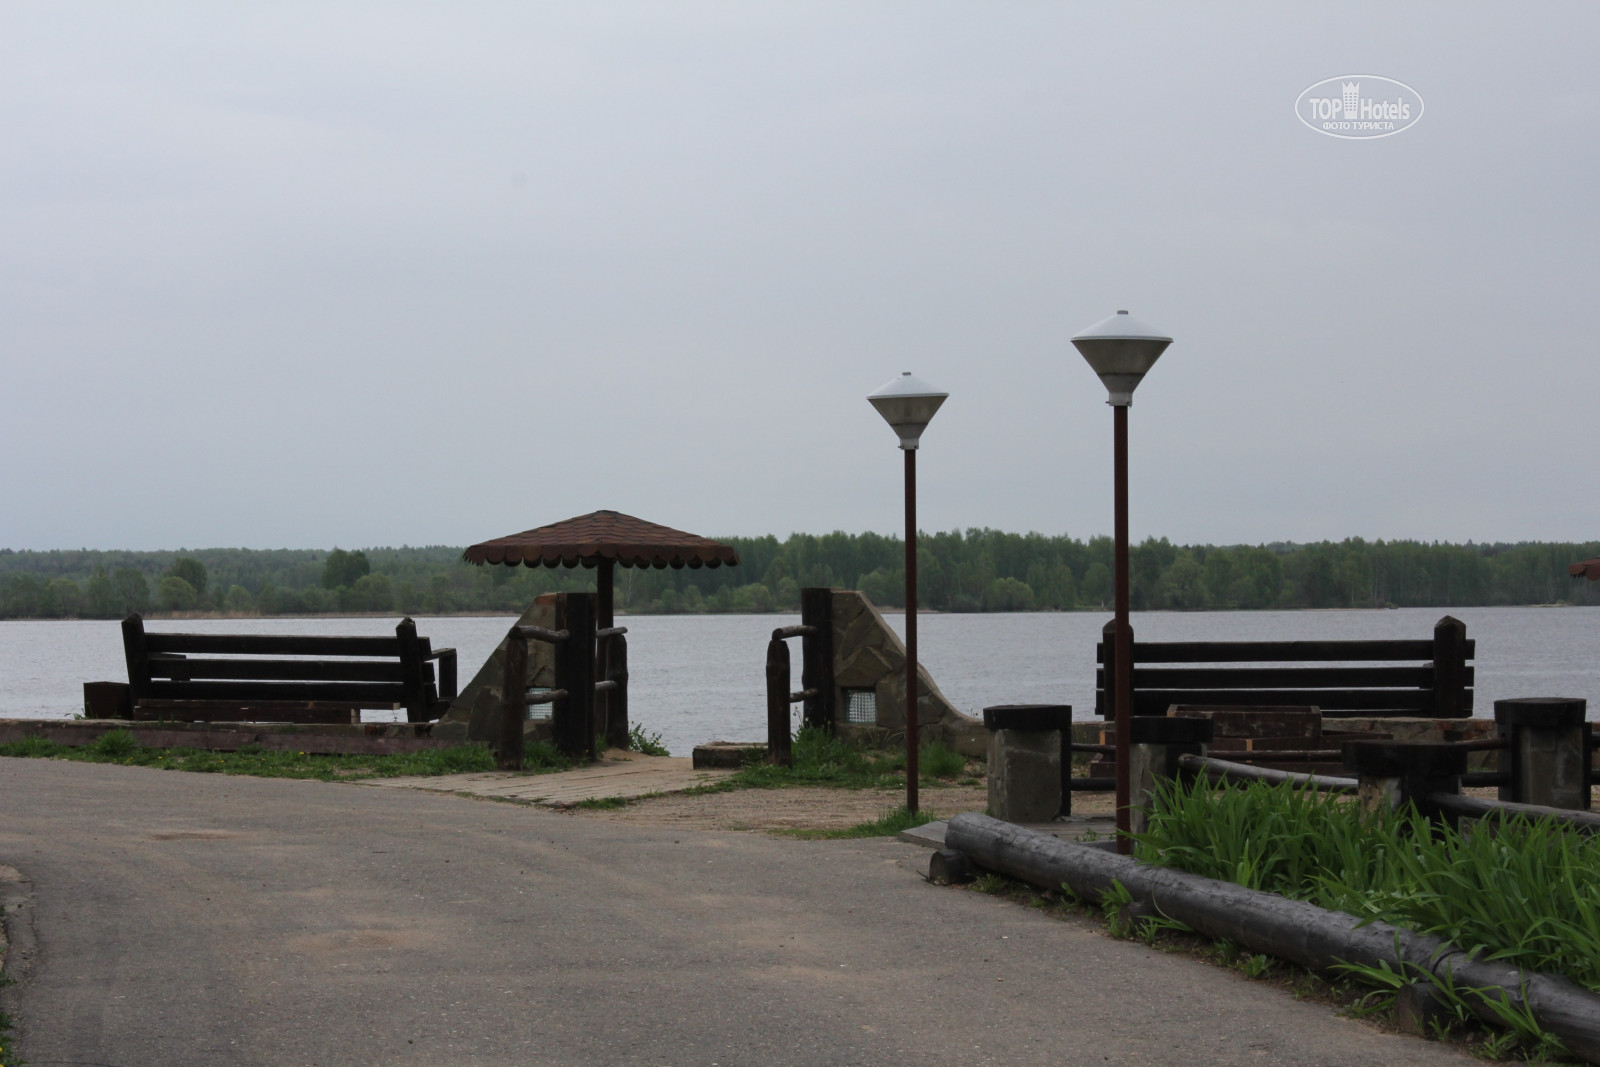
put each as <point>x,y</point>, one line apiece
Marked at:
<point>975,570</point>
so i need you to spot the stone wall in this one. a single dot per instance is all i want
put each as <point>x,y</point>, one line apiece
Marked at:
<point>867,654</point>
<point>474,714</point>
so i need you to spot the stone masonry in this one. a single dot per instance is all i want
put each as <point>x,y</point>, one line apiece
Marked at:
<point>867,654</point>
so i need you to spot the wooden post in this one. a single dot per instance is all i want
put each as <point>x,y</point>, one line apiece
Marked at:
<point>778,733</point>
<point>133,649</point>
<point>1450,669</point>
<point>572,719</point>
<point>411,666</point>
<point>513,702</point>
<point>617,725</point>
<point>1105,698</point>
<point>816,656</point>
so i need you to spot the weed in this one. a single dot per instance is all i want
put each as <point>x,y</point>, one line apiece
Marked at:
<point>1255,966</point>
<point>649,744</point>
<point>934,760</point>
<point>990,882</point>
<point>1112,901</point>
<point>115,744</point>
<point>603,803</point>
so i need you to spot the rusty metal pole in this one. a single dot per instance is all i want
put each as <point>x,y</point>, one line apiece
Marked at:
<point>911,630</point>
<point>1123,705</point>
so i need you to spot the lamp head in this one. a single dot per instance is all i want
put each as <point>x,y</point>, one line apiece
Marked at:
<point>907,404</point>
<point>1120,349</point>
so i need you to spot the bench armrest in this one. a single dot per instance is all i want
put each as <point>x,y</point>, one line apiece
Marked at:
<point>447,672</point>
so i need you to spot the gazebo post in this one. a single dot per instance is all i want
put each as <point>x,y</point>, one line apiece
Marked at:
<point>603,584</point>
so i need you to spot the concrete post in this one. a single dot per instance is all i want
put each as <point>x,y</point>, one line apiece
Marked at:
<point>1157,742</point>
<point>1394,773</point>
<point>1029,761</point>
<point>1548,759</point>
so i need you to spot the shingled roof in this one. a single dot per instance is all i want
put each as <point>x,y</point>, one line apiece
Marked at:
<point>1589,568</point>
<point>604,535</point>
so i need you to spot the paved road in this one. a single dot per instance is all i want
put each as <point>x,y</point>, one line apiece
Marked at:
<point>182,919</point>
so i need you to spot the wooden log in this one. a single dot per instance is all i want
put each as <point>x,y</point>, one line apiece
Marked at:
<point>1225,770</point>
<point>784,632</point>
<point>1479,808</point>
<point>816,656</point>
<point>1263,922</point>
<point>513,704</point>
<point>779,749</point>
<point>1450,678</point>
<point>617,725</point>
<point>947,866</point>
<point>539,633</point>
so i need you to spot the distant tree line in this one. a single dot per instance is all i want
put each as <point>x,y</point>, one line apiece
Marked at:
<point>975,570</point>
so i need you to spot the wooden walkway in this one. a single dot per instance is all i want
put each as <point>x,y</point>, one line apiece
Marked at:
<point>619,775</point>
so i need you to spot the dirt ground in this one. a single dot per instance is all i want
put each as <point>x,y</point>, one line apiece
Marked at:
<point>803,808</point>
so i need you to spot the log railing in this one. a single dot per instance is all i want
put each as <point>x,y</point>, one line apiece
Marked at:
<point>577,717</point>
<point>815,631</point>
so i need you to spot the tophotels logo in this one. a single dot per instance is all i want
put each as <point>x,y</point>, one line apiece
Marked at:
<point>1359,106</point>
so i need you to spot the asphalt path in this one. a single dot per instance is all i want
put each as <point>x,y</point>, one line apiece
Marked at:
<point>174,919</point>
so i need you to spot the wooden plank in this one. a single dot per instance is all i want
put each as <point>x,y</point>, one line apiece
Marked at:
<point>617,726</point>
<point>296,670</point>
<point>272,645</point>
<point>778,732</point>
<point>365,694</point>
<point>1277,651</point>
<point>1278,677</point>
<point>1157,701</point>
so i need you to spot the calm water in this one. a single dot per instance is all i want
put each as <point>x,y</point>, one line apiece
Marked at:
<point>700,678</point>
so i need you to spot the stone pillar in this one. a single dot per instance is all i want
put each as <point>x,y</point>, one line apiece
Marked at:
<point>1028,761</point>
<point>1393,773</point>
<point>1548,759</point>
<point>1157,742</point>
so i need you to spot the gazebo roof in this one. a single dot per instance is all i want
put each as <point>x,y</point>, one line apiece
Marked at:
<point>1589,568</point>
<point>603,535</point>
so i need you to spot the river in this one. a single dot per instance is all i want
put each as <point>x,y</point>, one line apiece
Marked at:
<point>699,678</point>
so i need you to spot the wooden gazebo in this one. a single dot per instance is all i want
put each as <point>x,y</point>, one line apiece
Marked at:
<point>604,539</point>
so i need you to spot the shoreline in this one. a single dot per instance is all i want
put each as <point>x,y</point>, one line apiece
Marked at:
<point>511,614</point>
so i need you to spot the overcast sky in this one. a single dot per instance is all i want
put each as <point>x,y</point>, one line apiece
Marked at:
<point>306,275</point>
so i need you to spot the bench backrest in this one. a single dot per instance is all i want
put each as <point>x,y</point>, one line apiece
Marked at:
<point>372,672</point>
<point>1421,678</point>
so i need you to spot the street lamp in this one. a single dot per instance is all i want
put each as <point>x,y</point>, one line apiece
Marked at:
<point>1120,349</point>
<point>907,404</point>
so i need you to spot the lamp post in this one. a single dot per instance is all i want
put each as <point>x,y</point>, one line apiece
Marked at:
<point>907,404</point>
<point>1120,349</point>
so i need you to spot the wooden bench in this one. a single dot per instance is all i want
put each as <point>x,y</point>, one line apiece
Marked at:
<point>273,678</point>
<point>1431,679</point>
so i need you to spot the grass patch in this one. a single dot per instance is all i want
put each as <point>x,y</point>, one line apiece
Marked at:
<point>820,759</point>
<point>122,747</point>
<point>891,824</point>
